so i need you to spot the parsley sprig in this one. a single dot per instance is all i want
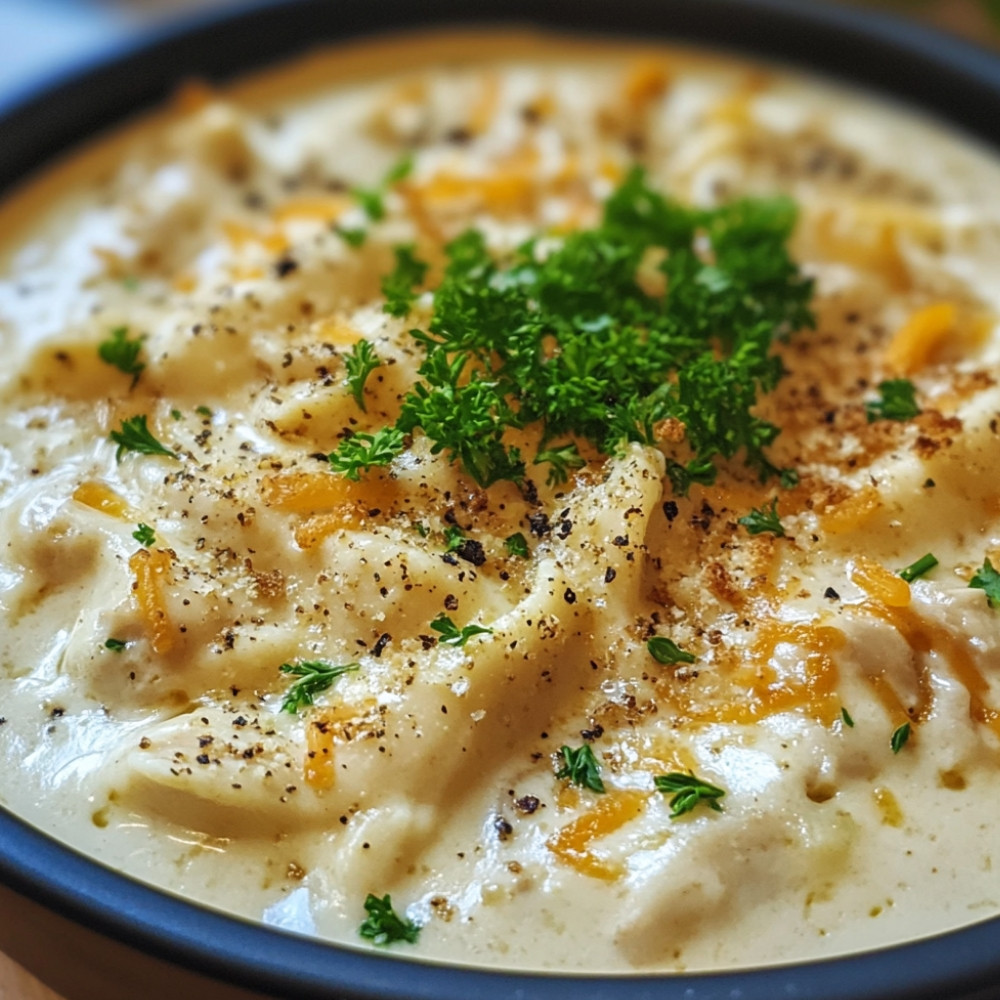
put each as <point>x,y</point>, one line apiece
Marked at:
<point>687,791</point>
<point>398,286</point>
<point>360,363</point>
<point>144,535</point>
<point>135,435</point>
<point>581,768</point>
<point>372,200</point>
<point>122,353</point>
<point>315,676</point>
<point>362,451</point>
<point>764,519</point>
<point>899,737</point>
<point>383,925</point>
<point>898,402</point>
<point>988,580</point>
<point>452,635</point>
<point>568,342</point>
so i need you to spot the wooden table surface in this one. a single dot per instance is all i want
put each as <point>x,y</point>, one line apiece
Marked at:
<point>979,19</point>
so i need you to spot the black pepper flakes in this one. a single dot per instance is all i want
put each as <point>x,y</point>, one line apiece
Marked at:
<point>285,266</point>
<point>471,551</point>
<point>527,804</point>
<point>569,596</point>
<point>831,595</point>
<point>383,640</point>
<point>610,574</point>
<point>538,524</point>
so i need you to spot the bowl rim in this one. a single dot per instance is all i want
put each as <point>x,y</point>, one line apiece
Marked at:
<point>954,80</point>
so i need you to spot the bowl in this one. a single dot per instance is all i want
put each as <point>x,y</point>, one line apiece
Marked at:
<point>91,932</point>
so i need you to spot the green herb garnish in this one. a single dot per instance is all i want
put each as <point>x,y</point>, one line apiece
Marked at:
<point>846,716</point>
<point>923,565</point>
<point>561,460</point>
<point>362,451</point>
<point>581,768</point>
<point>122,353</point>
<point>453,538</point>
<point>372,200</point>
<point>762,519</point>
<point>314,676</point>
<point>688,791</point>
<point>988,579</point>
<point>360,363</point>
<point>566,341</point>
<point>899,737</point>
<point>517,545</point>
<point>383,925</point>
<point>136,436</point>
<point>898,402</point>
<point>666,651</point>
<point>451,635</point>
<point>115,645</point>
<point>203,411</point>
<point>352,237</point>
<point>398,286</point>
<point>176,414</point>
<point>144,535</point>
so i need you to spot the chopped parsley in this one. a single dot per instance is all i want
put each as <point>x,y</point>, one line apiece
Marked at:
<point>566,341</point>
<point>115,645</point>
<point>372,200</point>
<point>362,451</point>
<point>398,286</point>
<point>352,237</point>
<point>451,635</point>
<point>762,519</point>
<point>176,414</point>
<point>203,411</point>
<point>315,676</point>
<point>517,545</point>
<point>923,565</point>
<point>134,435</point>
<point>899,737</point>
<point>360,363</point>
<point>453,538</point>
<point>988,579</point>
<point>846,716</point>
<point>383,925</point>
<point>144,535</point>
<point>687,792</point>
<point>560,460</point>
<point>581,768</point>
<point>122,353</point>
<point>898,402</point>
<point>666,651</point>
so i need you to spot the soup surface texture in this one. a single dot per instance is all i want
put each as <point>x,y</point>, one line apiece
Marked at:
<point>487,485</point>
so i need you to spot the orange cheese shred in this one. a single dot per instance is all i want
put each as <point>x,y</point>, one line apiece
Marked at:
<point>852,513</point>
<point>915,342</point>
<point>319,763</point>
<point>879,583</point>
<point>310,492</point>
<point>150,569</point>
<point>99,496</point>
<point>571,844</point>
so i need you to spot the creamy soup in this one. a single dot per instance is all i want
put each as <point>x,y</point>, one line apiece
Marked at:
<point>516,501</point>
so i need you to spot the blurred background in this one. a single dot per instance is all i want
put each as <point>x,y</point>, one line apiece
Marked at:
<point>40,36</point>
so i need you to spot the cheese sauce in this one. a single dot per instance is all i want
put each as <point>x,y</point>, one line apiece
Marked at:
<point>239,241</point>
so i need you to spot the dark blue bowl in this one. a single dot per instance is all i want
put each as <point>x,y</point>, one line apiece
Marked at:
<point>93,933</point>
